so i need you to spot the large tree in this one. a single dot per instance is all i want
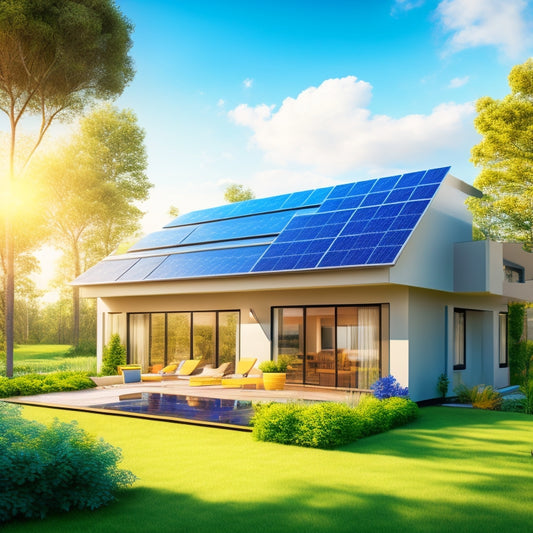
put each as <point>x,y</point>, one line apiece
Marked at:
<point>55,57</point>
<point>94,183</point>
<point>505,155</point>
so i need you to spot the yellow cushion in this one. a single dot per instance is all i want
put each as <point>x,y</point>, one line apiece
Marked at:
<point>169,369</point>
<point>245,365</point>
<point>188,367</point>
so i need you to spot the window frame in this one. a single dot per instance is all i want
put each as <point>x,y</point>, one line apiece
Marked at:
<point>461,365</point>
<point>505,362</point>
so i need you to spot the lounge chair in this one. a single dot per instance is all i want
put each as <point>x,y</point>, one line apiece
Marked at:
<point>242,377</point>
<point>173,371</point>
<point>209,376</point>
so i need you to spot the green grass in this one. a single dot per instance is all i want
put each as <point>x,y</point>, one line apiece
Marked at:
<point>49,358</point>
<point>452,470</point>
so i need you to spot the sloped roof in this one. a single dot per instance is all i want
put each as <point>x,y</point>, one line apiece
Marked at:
<point>361,224</point>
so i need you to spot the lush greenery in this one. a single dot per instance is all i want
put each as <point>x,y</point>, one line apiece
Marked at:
<point>55,467</point>
<point>505,156</point>
<point>329,424</point>
<point>238,193</point>
<point>30,384</point>
<point>52,358</point>
<point>280,366</point>
<point>114,355</point>
<point>58,56</point>
<point>388,387</point>
<point>449,470</point>
<point>443,382</point>
<point>480,396</point>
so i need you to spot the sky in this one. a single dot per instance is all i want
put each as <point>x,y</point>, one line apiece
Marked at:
<point>287,95</point>
<point>282,96</point>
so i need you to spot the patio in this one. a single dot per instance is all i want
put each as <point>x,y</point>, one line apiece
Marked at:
<point>85,400</point>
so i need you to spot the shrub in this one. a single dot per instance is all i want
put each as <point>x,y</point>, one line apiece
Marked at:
<point>388,387</point>
<point>53,468</point>
<point>329,424</point>
<point>82,348</point>
<point>114,355</point>
<point>481,396</point>
<point>442,385</point>
<point>30,384</point>
<point>515,405</point>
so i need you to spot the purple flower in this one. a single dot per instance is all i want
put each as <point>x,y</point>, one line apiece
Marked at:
<point>388,387</point>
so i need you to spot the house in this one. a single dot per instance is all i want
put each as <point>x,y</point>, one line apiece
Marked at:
<point>355,281</point>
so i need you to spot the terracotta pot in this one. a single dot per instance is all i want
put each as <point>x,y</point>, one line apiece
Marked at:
<point>274,381</point>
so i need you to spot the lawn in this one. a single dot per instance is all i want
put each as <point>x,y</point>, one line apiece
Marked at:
<point>454,469</point>
<point>49,358</point>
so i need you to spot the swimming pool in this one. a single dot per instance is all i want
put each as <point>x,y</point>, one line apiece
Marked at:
<point>212,411</point>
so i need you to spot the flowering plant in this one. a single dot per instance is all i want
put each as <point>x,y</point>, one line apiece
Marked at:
<point>388,387</point>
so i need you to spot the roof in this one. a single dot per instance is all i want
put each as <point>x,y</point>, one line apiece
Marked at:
<point>360,224</point>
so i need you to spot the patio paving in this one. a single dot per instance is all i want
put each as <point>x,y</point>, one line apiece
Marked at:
<point>112,393</point>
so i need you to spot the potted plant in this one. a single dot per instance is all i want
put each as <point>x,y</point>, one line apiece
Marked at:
<point>274,372</point>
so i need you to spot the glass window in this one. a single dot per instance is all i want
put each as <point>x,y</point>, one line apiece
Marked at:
<point>342,345</point>
<point>288,339</point>
<point>157,339</point>
<point>358,346</point>
<point>204,338</point>
<point>503,353</point>
<point>459,332</point>
<point>178,336</point>
<point>228,337</point>
<point>320,346</point>
<point>139,340</point>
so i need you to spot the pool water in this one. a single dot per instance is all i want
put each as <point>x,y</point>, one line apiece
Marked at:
<point>197,408</point>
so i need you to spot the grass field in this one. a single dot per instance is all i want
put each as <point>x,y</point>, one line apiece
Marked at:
<point>453,470</point>
<point>48,358</point>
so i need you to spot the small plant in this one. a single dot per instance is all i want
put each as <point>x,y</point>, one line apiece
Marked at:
<point>443,383</point>
<point>114,355</point>
<point>527,391</point>
<point>54,468</point>
<point>388,387</point>
<point>480,396</point>
<point>276,367</point>
<point>43,383</point>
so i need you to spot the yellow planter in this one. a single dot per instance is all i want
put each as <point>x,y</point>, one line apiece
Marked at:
<point>274,381</point>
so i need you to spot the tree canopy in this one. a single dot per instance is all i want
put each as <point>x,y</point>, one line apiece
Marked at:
<point>238,193</point>
<point>56,56</point>
<point>93,184</point>
<point>505,155</point>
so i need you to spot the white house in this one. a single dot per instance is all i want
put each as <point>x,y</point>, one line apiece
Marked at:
<point>356,281</point>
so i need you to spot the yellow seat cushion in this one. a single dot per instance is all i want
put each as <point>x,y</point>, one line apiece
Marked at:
<point>245,365</point>
<point>237,383</point>
<point>200,381</point>
<point>188,367</point>
<point>170,369</point>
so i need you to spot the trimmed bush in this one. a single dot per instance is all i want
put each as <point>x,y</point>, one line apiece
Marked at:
<point>53,468</point>
<point>43,383</point>
<point>114,356</point>
<point>329,424</point>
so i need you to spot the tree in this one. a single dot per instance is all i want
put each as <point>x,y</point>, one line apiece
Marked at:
<point>55,57</point>
<point>238,193</point>
<point>505,155</point>
<point>93,183</point>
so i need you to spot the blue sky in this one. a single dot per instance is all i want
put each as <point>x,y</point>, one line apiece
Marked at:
<point>282,96</point>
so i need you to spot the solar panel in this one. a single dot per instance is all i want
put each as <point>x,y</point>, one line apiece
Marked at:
<point>366,223</point>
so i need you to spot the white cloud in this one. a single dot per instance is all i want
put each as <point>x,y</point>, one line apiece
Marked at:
<point>405,5</point>
<point>220,103</point>
<point>500,23</point>
<point>458,82</point>
<point>331,129</point>
<point>248,82</point>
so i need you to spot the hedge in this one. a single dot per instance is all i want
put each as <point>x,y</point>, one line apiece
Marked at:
<point>329,424</point>
<point>30,384</point>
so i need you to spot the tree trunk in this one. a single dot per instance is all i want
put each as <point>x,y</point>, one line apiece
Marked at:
<point>76,297</point>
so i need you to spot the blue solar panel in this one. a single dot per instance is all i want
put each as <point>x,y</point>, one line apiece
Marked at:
<point>349,225</point>
<point>142,268</point>
<point>208,263</point>
<point>163,238</point>
<point>106,271</point>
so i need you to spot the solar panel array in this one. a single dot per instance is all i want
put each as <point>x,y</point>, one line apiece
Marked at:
<point>366,223</point>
